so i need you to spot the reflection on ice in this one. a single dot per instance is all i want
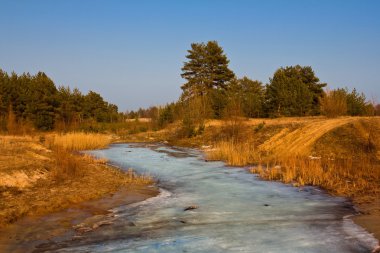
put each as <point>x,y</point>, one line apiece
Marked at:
<point>236,211</point>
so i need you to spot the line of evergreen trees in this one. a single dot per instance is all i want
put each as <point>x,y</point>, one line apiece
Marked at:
<point>35,101</point>
<point>211,90</point>
<point>292,91</point>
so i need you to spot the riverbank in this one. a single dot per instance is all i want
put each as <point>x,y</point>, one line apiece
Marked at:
<point>230,202</point>
<point>369,217</point>
<point>209,207</point>
<point>340,155</point>
<point>69,224</point>
<point>36,180</point>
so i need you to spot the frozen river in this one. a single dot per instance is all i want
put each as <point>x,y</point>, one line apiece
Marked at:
<point>234,211</point>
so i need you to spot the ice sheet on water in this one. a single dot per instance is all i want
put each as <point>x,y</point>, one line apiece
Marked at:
<point>237,212</point>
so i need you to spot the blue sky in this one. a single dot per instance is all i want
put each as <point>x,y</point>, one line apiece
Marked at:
<point>131,52</point>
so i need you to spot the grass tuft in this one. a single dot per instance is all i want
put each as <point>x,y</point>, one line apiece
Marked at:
<point>132,177</point>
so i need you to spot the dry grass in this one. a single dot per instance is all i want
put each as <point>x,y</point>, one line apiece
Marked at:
<point>79,141</point>
<point>91,159</point>
<point>299,141</point>
<point>68,165</point>
<point>358,179</point>
<point>21,161</point>
<point>269,121</point>
<point>233,153</point>
<point>133,178</point>
<point>36,180</point>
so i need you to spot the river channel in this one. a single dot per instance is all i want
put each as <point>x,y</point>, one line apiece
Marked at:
<point>210,207</point>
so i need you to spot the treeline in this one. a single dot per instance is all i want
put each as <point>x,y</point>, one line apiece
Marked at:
<point>212,90</point>
<point>33,101</point>
<point>292,91</point>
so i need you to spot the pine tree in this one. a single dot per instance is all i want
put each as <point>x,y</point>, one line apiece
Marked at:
<point>356,103</point>
<point>11,121</point>
<point>294,91</point>
<point>208,76</point>
<point>41,101</point>
<point>206,69</point>
<point>3,95</point>
<point>250,93</point>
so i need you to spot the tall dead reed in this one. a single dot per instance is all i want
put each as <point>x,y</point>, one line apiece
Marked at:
<point>341,176</point>
<point>68,165</point>
<point>79,141</point>
<point>232,152</point>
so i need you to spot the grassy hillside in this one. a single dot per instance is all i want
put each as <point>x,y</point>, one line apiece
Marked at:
<point>40,174</point>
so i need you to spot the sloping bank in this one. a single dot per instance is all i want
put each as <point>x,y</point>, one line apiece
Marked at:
<point>41,175</point>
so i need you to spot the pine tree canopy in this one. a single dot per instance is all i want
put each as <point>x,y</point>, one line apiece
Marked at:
<point>206,69</point>
<point>294,91</point>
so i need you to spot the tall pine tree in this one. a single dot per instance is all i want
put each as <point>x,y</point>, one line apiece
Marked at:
<point>207,75</point>
<point>206,69</point>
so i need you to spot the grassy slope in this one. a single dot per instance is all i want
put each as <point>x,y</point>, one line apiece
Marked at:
<point>301,140</point>
<point>36,180</point>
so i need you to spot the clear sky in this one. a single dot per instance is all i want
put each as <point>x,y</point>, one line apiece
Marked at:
<point>131,52</point>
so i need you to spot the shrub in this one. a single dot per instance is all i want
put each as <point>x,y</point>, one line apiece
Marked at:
<point>334,103</point>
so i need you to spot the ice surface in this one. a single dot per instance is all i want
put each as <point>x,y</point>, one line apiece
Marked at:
<point>236,211</point>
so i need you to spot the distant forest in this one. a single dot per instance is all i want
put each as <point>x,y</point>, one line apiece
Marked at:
<point>34,101</point>
<point>211,91</point>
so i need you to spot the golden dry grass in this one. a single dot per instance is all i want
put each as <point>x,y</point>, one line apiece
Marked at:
<point>233,153</point>
<point>37,180</point>
<point>132,177</point>
<point>21,161</point>
<point>349,178</point>
<point>91,159</point>
<point>300,141</point>
<point>80,141</point>
<point>270,121</point>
